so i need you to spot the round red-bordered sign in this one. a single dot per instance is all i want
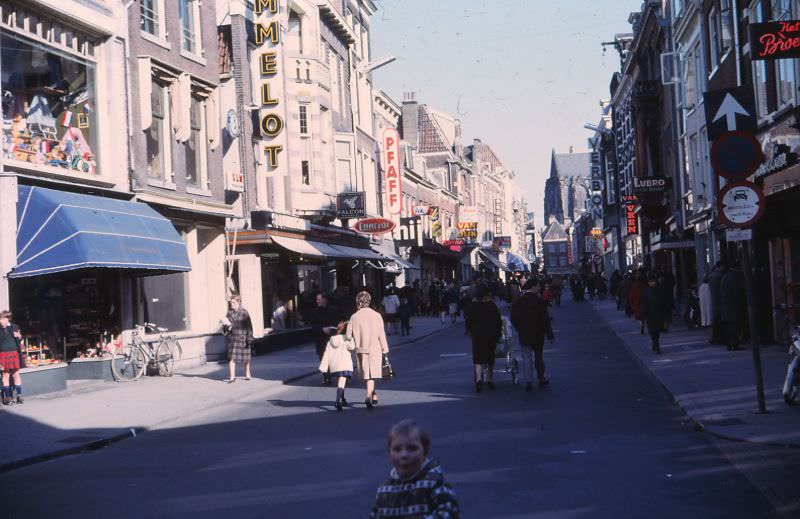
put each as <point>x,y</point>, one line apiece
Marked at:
<point>736,155</point>
<point>740,204</point>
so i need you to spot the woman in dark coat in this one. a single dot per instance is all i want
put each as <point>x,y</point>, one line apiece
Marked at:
<point>484,325</point>
<point>651,307</point>
<point>239,330</point>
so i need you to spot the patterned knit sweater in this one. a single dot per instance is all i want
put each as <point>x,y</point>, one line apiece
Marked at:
<point>425,495</point>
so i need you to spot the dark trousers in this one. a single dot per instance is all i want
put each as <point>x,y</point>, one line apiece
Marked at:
<point>717,331</point>
<point>405,326</point>
<point>654,329</point>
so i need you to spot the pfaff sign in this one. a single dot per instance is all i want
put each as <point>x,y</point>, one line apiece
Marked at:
<point>392,172</point>
<point>268,37</point>
<point>775,40</point>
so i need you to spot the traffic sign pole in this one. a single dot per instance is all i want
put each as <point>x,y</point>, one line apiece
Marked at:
<point>751,315</point>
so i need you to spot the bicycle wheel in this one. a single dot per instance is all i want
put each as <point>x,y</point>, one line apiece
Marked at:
<point>165,359</point>
<point>128,363</point>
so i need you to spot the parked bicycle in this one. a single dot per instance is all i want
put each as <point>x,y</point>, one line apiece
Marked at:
<point>130,360</point>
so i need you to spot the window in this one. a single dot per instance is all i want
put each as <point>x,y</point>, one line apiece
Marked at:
<point>149,17</point>
<point>195,146</point>
<point>305,173</point>
<point>303,119</point>
<point>157,133</point>
<point>49,106</point>
<point>720,34</point>
<point>190,16</point>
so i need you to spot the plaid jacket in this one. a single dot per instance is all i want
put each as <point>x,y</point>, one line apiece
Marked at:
<point>424,496</point>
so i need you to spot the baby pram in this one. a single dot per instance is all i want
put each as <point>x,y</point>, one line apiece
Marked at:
<point>505,351</point>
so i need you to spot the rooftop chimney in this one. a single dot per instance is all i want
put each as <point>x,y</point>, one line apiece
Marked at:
<point>409,125</point>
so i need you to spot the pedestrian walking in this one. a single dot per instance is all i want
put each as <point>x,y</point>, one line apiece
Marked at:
<point>704,294</point>
<point>613,287</point>
<point>733,309</point>
<point>714,282</point>
<point>390,304</point>
<point>557,286</point>
<point>404,312</point>
<point>451,301</point>
<point>367,331</point>
<point>338,361</point>
<point>238,329</point>
<point>11,359</point>
<point>416,485</point>
<point>651,307</point>
<point>624,294</point>
<point>634,297</point>
<point>484,324</point>
<point>532,322</point>
<point>666,284</point>
<point>324,319</point>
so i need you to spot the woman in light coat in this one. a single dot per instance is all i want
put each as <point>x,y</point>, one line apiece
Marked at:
<point>366,330</point>
<point>338,361</point>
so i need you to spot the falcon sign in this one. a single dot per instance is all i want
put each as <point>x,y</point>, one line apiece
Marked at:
<point>390,148</point>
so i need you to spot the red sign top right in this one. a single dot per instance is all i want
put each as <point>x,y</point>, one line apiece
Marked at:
<point>775,40</point>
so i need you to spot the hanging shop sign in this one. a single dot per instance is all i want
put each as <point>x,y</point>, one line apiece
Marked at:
<point>651,185</point>
<point>729,110</point>
<point>267,38</point>
<point>235,181</point>
<point>232,125</point>
<point>374,226</point>
<point>738,234</point>
<point>781,159</point>
<point>351,205</point>
<point>467,230</point>
<point>436,223</point>
<point>775,40</point>
<point>631,220</point>
<point>596,233</point>
<point>501,242</point>
<point>421,210</point>
<point>454,245</point>
<point>740,204</point>
<point>408,234</point>
<point>392,172</point>
<point>736,155</point>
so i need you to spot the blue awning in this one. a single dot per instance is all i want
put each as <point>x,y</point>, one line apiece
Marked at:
<point>59,231</point>
<point>516,264</point>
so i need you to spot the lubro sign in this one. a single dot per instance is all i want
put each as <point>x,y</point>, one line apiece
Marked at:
<point>392,172</point>
<point>268,36</point>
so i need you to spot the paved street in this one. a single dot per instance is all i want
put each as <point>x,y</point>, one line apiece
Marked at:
<point>603,441</point>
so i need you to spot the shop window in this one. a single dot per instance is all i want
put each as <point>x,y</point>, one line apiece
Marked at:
<point>156,135</point>
<point>49,107</point>
<point>162,300</point>
<point>190,25</point>
<point>195,146</point>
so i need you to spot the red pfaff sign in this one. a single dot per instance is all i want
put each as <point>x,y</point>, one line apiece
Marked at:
<point>775,40</point>
<point>392,170</point>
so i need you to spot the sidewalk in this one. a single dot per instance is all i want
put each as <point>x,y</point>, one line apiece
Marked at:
<point>91,415</point>
<point>715,387</point>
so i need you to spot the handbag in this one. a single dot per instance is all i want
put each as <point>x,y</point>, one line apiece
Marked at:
<point>386,368</point>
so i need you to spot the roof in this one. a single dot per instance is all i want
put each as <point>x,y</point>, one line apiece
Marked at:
<point>570,164</point>
<point>554,232</point>
<point>431,136</point>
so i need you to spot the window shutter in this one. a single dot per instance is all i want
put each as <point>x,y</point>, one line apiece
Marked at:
<point>145,91</point>
<point>181,103</point>
<point>213,118</point>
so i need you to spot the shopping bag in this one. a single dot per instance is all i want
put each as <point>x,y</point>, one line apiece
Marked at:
<point>386,368</point>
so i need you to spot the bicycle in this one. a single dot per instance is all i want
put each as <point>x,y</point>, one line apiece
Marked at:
<point>130,360</point>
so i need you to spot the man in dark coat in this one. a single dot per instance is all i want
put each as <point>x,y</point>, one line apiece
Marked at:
<point>714,279</point>
<point>532,322</point>
<point>322,317</point>
<point>652,303</point>
<point>733,311</point>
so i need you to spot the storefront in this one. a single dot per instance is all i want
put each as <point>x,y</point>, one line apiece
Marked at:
<point>76,254</point>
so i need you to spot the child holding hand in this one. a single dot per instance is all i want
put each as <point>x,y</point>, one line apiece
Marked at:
<point>416,486</point>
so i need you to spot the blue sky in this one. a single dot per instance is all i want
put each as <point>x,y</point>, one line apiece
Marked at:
<point>522,75</point>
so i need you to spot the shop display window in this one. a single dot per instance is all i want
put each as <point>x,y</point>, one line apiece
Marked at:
<point>49,108</point>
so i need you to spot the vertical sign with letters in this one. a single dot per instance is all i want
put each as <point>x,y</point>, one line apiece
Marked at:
<point>392,171</point>
<point>268,38</point>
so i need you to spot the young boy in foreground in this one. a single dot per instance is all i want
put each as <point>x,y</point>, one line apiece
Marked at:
<point>416,488</point>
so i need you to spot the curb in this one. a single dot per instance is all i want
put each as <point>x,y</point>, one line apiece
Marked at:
<point>696,424</point>
<point>410,341</point>
<point>135,431</point>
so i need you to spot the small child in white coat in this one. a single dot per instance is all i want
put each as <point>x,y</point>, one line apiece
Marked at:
<point>338,360</point>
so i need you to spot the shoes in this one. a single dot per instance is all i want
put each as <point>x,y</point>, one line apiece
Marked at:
<point>247,379</point>
<point>478,386</point>
<point>20,400</point>
<point>368,402</point>
<point>544,382</point>
<point>490,384</point>
<point>7,400</point>
<point>529,387</point>
<point>230,380</point>
<point>374,398</point>
<point>339,397</point>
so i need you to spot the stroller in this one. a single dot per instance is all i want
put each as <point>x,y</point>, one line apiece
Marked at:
<point>504,350</point>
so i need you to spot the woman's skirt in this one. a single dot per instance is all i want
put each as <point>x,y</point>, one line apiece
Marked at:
<point>9,360</point>
<point>369,366</point>
<point>346,374</point>
<point>239,352</point>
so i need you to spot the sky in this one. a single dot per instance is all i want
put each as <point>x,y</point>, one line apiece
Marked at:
<point>523,76</point>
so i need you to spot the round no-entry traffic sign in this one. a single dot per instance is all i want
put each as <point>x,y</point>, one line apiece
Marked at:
<point>736,155</point>
<point>740,204</point>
